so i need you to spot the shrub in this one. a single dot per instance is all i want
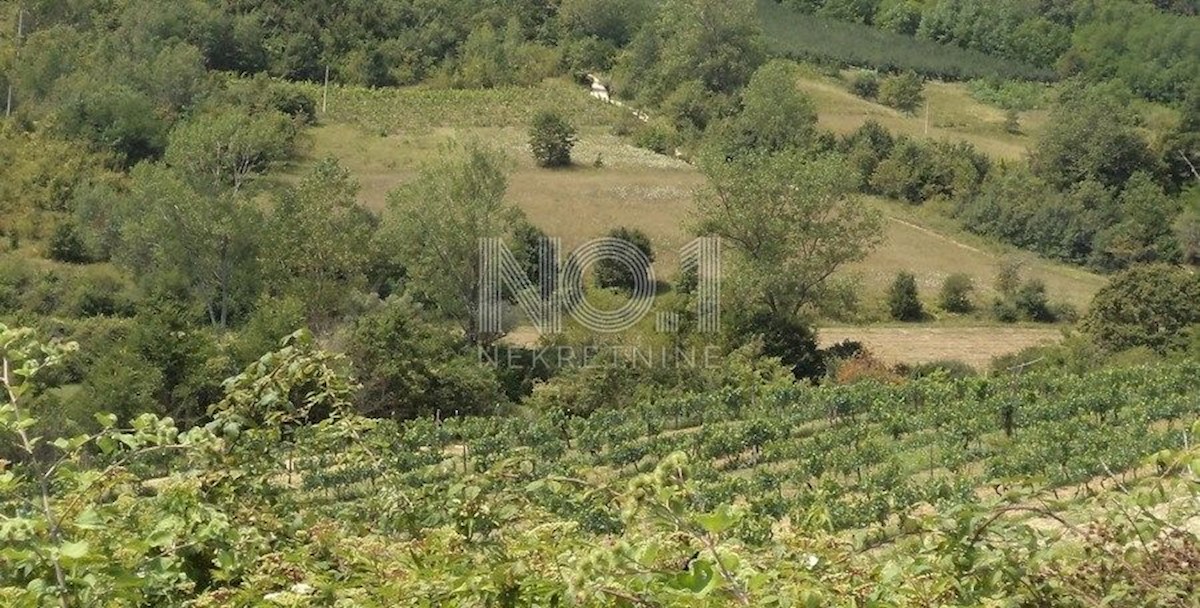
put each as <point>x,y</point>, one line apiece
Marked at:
<point>612,273</point>
<point>793,342</point>
<point>956,294</point>
<point>1155,306</point>
<point>67,244</point>
<point>865,84</point>
<point>657,137</point>
<point>1031,300</point>
<point>902,91</point>
<point>903,299</point>
<point>1005,311</point>
<point>551,138</point>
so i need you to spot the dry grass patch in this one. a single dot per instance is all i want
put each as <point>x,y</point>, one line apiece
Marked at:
<point>976,346</point>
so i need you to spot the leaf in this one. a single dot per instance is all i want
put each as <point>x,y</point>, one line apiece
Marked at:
<point>107,421</point>
<point>718,521</point>
<point>74,550</point>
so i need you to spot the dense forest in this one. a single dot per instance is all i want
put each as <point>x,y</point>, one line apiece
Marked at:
<point>231,383</point>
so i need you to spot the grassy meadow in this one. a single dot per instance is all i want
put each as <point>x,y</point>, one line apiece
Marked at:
<point>384,137</point>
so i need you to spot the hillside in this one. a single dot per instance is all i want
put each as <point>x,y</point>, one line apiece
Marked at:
<point>637,188</point>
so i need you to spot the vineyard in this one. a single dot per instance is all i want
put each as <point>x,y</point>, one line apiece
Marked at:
<point>820,39</point>
<point>425,108</point>
<point>763,493</point>
<point>861,454</point>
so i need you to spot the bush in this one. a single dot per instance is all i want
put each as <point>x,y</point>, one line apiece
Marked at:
<point>904,302</point>
<point>793,342</point>
<point>1005,311</point>
<point>1031,300</point>
<point>1154,306</point>
<point>67,244</point>
<point>956,294</point>
<point>551,138</point>
<point>903,91</point>
<point>865,84</point>
<point>657,136</point>
<point>612,273</point>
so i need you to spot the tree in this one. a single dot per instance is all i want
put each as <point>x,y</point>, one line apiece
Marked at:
<point>904,303</point>
<point>790,220</point>
<point>902,91</point>
<point>956,293</point>
<point>1154,306</point>
<point>1091,135</point>
<point>1145,232</point>
<point>224,149</point>
<point>169,230</point>
<point>434,225</point>
<point>611,273</point>
<point>775,115</point>
<point>411,366</point>
<point>865,84</point>
<point>1032,302</point>
<point>551,138</point>
<point>716,42</point>
<point>316,232</point>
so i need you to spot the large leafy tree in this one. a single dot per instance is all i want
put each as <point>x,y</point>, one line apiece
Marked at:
<point>715,42</point>
<point>791,221</point>
<point>775,115</point>
<point>317,233</point>
<point>1152,306</point>
<point>434,226</point>
<point>1091,135</point>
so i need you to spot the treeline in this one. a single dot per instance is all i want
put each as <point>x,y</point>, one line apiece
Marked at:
<point>1152,47</point>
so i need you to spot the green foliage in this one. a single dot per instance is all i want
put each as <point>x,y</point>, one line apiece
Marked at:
<point>792,342</point>
<point>1153,306</point>
<point>902,91</point>
<point>434,224</point>
<point>775,115</point>
<point>865,84</point>
<point>813,37</point>
<point>67,244</point>
<point>1091,136</point>
<point>412,367</point>
<point>916,171</point>
<point>904,303</point>
<point>1006,29</point>
<point>1152,52</point>
<point>955,295</point>
<point>551,138</point>
<point>613,273</point>
<point>716,43</point>
<point>790,221</point>
<point>113,118</point>
<point>315,243</point>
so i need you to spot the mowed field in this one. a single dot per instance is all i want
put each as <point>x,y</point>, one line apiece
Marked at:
<point>949,114</point>
<point>633,187</point>
<point>976,346</point>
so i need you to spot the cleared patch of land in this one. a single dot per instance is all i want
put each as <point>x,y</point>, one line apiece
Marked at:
<point>950,113</point>
<point>976,346</point>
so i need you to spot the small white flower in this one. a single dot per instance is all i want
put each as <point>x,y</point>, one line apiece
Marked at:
<point>303,589</point>
<point>811,561</point>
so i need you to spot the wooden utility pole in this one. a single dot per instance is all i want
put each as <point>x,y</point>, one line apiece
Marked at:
<point>20,32</point>
<point>325,92</point>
